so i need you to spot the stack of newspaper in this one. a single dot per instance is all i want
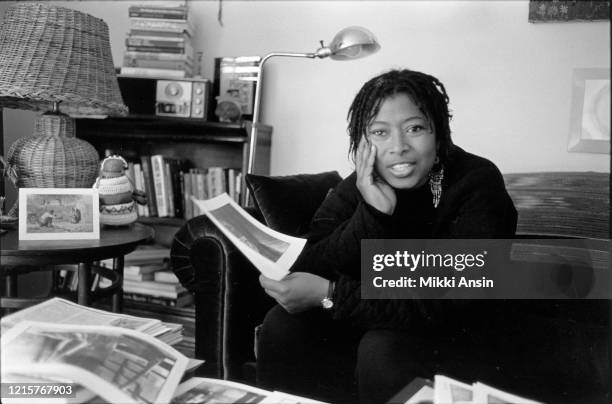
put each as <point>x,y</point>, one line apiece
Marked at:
<point>61,311</point>
<point>54,359</point>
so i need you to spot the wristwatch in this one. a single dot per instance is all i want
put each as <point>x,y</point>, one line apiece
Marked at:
<point>327,303</point>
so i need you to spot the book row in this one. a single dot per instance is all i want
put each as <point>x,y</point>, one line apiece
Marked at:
<point>170,186</point>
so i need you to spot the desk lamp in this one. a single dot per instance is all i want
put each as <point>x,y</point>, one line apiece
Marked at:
<point>56,60</point>
<point>350,43</point>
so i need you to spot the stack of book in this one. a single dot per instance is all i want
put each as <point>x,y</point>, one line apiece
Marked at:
<point>159,42</point>
<point>147,278</point>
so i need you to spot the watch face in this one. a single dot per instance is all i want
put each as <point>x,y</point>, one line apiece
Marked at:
<point>327,303</point>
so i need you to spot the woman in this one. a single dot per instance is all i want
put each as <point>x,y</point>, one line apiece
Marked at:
<point>410,181</point>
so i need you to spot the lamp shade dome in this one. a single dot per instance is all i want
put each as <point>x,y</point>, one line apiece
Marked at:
<point>353,43</point>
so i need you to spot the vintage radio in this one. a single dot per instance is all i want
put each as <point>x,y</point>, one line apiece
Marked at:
<point>187,98</point>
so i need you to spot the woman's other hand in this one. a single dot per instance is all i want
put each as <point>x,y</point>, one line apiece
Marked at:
<point>297,292</point>
<point>374,190</point>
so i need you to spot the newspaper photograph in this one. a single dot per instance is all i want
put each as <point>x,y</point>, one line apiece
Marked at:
<point>117,364</point>
<point>204,390</point>
<point>271,252</point>
<point>61,311</point>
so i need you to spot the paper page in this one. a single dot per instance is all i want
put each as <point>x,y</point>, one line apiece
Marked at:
<point>450,391</point>
<point>213,391</point>
<point>271,252</point>
<point>107,360</point>
<point>278,397</point>
<point>489,395</point>
<point>424,395</point>
<point>61,311</point>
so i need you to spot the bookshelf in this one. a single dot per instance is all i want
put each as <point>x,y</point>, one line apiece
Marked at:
<point>202,144</point>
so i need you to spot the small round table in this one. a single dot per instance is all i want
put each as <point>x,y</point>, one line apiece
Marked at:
<point>113,243</point>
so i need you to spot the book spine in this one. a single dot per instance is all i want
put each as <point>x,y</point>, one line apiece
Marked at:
<point>177,187</point>
<point>139,186</point>
<point>159,33</point>
<point>150,72</point>
<point>162,301</point>
<point>166,276</point>
<point>169,186</point>
<point>157,49</point>
<point>156,42</point>
<point>157,167</point>
<point>157,64</point>
<point>231,183</point>
<point>149,184</point>
<point>172,13</point>
<point>174,57</point>
<point>160,24</point>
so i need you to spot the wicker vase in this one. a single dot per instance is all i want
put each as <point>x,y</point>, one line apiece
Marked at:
<point>53,157</point>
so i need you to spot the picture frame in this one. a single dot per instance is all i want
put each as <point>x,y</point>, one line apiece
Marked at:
<point>590,111</point>
<point>59,214</point>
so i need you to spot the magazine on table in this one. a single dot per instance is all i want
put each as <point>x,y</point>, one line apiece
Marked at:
<point>271,252</point>
<point>117,365</point>
<point>61,311</point>
<point>208,391</point>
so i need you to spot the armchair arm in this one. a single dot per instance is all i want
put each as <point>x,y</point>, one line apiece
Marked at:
<point>229,302</point>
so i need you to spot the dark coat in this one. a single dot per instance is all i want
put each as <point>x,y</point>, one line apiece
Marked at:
<point>474,204</point>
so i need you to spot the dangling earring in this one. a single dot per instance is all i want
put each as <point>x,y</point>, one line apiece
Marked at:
<point>435,182</point>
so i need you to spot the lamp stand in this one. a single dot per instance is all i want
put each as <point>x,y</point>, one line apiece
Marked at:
<point>52,157</point>
<point>256,107</point>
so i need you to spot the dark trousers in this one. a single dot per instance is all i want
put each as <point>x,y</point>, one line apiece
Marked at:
<point>309,354</point>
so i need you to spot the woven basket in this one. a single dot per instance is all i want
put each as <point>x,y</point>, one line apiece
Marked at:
<point>52,157</point>
<point>54,54</point>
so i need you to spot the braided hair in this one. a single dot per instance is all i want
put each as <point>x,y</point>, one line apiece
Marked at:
<point>426,91</point>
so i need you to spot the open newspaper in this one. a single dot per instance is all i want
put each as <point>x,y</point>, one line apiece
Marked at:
<point>102,363</point>
<point>446,390</point>
<point>61,311</point>
<point>271,252</point>
<point>208,391</point>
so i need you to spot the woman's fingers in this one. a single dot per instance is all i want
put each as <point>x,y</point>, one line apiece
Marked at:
<point>369,164</point>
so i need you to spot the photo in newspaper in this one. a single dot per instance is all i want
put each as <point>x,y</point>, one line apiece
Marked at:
<point>204,390</point>
<point>117,364</point>
<point>271,252</point>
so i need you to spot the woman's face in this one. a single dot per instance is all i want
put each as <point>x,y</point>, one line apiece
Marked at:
<point>405,143</point>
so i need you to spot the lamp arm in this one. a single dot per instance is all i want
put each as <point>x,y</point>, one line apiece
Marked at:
<point>257,101</point>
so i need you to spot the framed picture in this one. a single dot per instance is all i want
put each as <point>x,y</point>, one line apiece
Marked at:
<point>59,214</point>
<point>590,113</point>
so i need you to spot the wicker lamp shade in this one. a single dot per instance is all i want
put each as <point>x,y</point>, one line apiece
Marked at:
<point>54,54</point>
<point>56,59</point>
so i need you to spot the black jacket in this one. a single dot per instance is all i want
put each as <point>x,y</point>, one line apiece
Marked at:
<point>474,204</point>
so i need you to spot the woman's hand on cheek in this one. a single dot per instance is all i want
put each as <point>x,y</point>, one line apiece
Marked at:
<point>375,191</point>
<point>297,292</point>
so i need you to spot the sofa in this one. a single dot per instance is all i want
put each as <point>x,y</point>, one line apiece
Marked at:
<point>230,304</point>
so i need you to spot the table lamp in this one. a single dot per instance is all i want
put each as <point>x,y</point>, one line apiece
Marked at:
<point>56,60</point>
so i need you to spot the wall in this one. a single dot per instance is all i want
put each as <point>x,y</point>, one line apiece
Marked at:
<point>509,81</point>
